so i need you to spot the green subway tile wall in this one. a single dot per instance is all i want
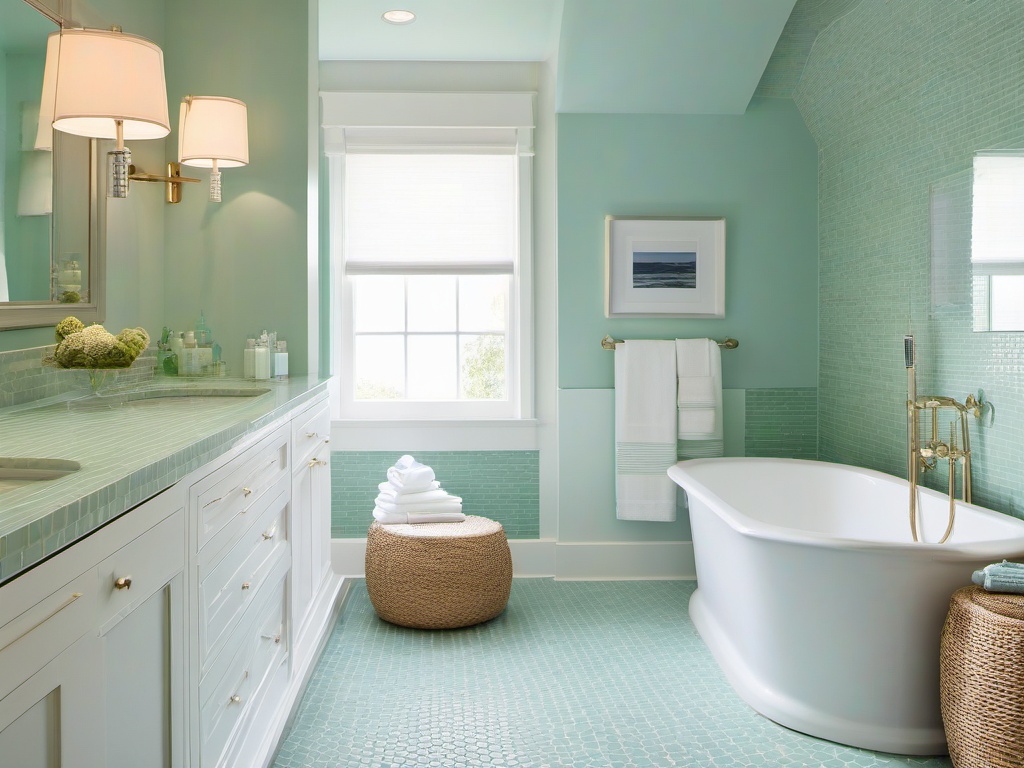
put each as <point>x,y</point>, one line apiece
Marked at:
<point>899,94</point>
<point>501,485</point>
<point>782,423</point>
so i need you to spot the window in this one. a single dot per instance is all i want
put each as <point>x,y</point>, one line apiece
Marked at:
<point>997,241</point>
<point>432,249</point>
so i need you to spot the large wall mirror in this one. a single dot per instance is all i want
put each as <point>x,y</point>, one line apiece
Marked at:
<point>51,199</point>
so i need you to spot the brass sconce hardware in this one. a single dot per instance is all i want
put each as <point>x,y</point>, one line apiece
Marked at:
<point>173,180</point>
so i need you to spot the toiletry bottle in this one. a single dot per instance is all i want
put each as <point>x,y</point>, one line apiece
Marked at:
<point>204,336</point>
<point>262,358</point>
<point>249,359</point>
<point>281,361</point>
<point>188,364</point>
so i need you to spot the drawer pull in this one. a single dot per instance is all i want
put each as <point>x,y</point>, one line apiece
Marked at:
<point>327,439</point>
<point>312,435</point>
<point>54,612</point>
<point>246,491</point>
<point>317,463</point>
<point>246,585</point>
<point>125,582</point>
<point>269,534</point>
<point>236,699</point>
<point>275,638</point>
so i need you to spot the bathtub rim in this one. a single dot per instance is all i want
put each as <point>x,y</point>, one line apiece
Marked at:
<point>747,526</point>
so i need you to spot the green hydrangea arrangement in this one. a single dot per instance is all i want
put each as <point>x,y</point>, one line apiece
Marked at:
<point>93,346</point>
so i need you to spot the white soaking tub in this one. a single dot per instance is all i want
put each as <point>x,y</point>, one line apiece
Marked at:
<point>817,604</point>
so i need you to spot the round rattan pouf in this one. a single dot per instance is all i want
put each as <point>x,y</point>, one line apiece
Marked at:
<point>982,679</point>
<point>438,575</point>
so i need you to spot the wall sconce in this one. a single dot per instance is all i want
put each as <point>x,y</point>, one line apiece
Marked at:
<point>213,133</point>
<point>106,84</point>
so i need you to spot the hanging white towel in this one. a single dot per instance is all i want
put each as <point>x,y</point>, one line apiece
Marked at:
<point>699,367</point>
<point>645,430</point>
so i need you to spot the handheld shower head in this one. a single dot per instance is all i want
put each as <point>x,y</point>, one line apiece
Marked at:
<point>908,351</point>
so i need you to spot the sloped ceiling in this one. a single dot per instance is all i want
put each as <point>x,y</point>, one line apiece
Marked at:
<point>628,56</point>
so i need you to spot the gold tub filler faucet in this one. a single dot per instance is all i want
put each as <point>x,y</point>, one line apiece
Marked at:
<point>925,456</point>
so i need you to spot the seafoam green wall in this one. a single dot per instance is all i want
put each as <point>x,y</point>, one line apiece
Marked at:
<point>899,94</point>
<point>758,170</point>
<point>243,262</point>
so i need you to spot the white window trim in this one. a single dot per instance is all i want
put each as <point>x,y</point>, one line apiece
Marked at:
<point>465,111</point>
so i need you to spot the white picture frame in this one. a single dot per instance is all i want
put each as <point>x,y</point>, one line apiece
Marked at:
<point>661,266</point>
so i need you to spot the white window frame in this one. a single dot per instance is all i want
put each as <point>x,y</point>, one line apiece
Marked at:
<point>349,117</point>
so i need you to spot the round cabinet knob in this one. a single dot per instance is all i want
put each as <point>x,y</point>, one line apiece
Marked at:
<point>125,582</point>
<point>236,699</point>
<point>246,491</point>
<point>246,585</point>
<point>268,535</point>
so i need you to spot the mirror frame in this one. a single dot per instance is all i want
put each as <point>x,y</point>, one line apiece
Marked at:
<point>39,314</point>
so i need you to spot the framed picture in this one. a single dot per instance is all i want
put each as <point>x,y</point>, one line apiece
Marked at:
<point>664,266</point>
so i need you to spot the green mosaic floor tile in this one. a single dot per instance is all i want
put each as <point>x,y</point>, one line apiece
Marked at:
<point>571,675</point>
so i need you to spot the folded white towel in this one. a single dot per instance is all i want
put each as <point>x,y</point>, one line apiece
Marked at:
<point>451,504</point>
<point>388,487</point>
<point>400,518</point>
<point>409,475</point>
<point>699,404</point>
<point>645,430</point>
<point>387,493</point>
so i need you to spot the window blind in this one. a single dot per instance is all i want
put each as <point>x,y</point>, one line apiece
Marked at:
<point>997,226</point>
<point>430,213</point>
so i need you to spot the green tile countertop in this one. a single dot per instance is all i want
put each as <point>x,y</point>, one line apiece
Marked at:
<point>131,446</point>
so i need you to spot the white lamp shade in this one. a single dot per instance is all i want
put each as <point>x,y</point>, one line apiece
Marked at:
<point>213,128</point>
<point>94,77</point>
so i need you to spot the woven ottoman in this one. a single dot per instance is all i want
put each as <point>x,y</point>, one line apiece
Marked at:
<point>438,575</point>
<point>982,679</point>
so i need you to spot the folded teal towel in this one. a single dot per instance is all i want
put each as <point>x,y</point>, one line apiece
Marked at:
<point>1001,577</point>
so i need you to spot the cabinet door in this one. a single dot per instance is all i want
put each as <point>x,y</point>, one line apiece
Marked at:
<point>142,658</point>
<point>50,720</point>
<point>311,513</point>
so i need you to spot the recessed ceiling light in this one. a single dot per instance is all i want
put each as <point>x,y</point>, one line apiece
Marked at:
<point>399,17</point>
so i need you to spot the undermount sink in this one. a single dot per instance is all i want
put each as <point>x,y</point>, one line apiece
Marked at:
<point>15,473</point>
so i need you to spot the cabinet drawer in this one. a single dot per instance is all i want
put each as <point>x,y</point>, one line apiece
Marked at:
<point>129,577</point>
<point>31,640</point>
<point>311,433</point>
<point>225,697</point>
<point>223,498</point>
<point>232,583</point>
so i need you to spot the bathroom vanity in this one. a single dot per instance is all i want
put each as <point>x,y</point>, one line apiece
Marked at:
<point>179,630</point>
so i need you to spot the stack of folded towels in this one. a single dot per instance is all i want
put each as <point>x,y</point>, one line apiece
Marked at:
<point>412,495</point>
<point>1001,577</point>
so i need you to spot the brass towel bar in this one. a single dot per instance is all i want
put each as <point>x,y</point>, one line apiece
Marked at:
<point>609,343</point>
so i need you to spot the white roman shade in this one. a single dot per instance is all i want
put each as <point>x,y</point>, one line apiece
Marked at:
<point>997,222</point>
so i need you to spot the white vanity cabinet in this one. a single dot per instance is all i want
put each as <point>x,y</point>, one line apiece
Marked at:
<point>180,634</point>
<point>92,649</point>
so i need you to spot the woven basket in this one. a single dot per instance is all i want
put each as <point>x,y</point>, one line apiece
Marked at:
<point>438,575</point>
<point>982,679</point>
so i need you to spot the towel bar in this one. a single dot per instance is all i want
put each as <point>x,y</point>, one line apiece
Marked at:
<point>609,343</point>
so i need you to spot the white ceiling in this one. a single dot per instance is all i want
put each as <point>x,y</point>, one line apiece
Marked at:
<point>629,56</point>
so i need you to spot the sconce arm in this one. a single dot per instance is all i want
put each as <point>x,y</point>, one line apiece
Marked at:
<point>173,180</point>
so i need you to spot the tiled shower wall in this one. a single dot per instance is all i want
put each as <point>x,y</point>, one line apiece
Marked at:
<point>899,94</point>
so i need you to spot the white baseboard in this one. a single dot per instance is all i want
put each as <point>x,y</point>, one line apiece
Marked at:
<point>611,561</point>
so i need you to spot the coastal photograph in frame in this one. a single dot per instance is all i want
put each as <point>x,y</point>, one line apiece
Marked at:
<point>664,266</point>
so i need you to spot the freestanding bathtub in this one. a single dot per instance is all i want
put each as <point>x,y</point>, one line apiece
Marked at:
<point>816,603</point>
